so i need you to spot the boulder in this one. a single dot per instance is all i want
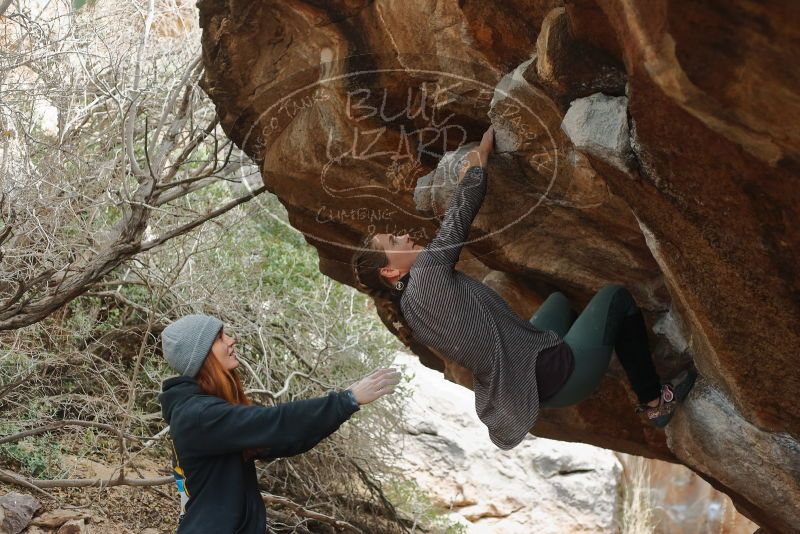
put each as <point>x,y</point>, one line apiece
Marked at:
<point>345,106</point>
<point>16,511</point>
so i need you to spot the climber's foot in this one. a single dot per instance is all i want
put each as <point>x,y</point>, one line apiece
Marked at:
<point>671,394</point>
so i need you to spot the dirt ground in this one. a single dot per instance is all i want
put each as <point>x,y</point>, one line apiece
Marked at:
<point>116,510</point>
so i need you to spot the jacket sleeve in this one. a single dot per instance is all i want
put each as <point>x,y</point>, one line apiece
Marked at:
<point>301,446</point>
<point>283,430</point>
<point>464,204</point>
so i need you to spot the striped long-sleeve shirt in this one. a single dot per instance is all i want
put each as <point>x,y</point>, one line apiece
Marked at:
<point>471,324</point>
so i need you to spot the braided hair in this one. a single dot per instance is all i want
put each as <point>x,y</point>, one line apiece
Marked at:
<point>367,263</point>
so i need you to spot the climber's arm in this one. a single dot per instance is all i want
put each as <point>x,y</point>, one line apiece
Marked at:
<point>464,205</point>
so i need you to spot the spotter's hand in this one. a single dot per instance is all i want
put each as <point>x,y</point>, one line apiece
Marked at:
<point>375,385</point>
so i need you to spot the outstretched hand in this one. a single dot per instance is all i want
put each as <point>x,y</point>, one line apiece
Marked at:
<point>478,157</point>
<point>375,385</point>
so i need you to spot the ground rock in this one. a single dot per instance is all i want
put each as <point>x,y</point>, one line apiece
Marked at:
<point>73,526</point>
<point>56,518</point>
<point>16,511</point>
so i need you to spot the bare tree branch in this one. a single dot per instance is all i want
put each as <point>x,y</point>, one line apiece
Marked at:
<point>133,108</point>
<point>173,169</point>
<point>40,485</point>
<point>285,387</point>
<point>194,224</point>
<point>12,478</point>
<point>338,524</point>
<point>67,422</point>
<point>110,155</point>
<point>119,297</point>
<point>3,6</point>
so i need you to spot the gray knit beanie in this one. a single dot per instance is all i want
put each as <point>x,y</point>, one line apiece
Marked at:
<point>186,342</point>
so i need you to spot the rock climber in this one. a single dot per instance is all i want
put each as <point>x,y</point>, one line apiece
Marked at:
<point>556,359</point>
<point>217,433</point>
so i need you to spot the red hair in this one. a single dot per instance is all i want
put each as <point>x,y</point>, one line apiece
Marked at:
<point>214,379</point>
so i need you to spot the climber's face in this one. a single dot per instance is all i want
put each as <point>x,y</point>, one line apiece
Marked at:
<point>223,349</point>
<point>401,251</point>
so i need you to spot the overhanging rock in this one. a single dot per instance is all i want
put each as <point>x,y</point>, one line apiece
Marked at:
<point>677,176</point>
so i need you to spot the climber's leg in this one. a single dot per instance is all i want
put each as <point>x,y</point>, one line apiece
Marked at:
<point>633,350</point>
<point>610,320</point>
<point>554,314</point>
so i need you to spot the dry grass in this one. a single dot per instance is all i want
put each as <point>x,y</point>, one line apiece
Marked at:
<point>637,513</point>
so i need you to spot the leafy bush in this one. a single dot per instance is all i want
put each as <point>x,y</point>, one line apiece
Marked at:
<point>35,456</point>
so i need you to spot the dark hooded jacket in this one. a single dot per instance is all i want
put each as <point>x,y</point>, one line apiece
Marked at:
<point>209,436</point>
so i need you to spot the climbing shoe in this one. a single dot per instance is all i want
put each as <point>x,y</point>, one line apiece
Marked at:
<point>672,393</point>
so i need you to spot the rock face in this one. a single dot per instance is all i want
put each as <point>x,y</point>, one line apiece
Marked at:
<point>598,125</point>
<point>346,105</point>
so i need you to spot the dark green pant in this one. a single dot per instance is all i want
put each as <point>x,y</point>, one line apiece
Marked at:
<point>611,321</point>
